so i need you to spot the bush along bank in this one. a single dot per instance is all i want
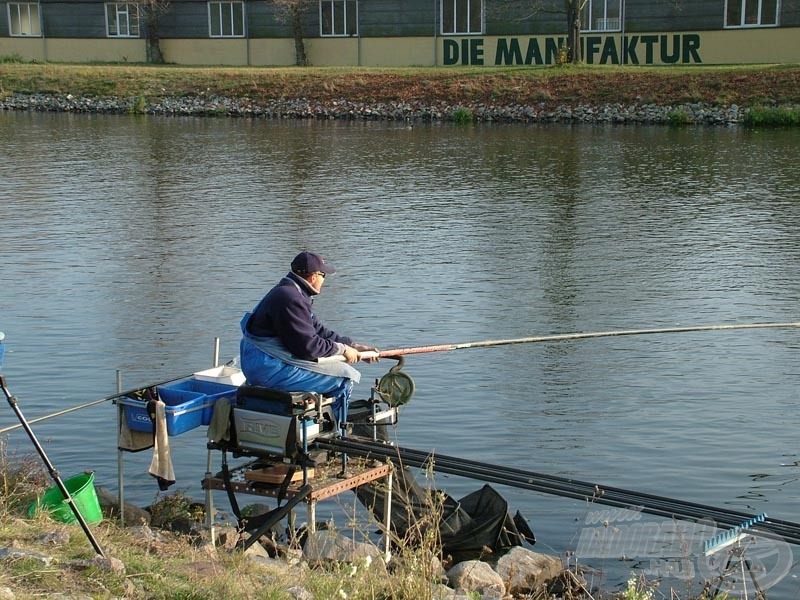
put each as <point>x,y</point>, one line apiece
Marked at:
<point>418,111</point>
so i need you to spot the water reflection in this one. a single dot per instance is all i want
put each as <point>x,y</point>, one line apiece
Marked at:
<point>129,243</point>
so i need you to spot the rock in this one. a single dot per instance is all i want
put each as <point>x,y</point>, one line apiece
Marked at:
<point>327,546</point>
<point>524,571</point>
<point>205,569</point>
<point>55,538</point>
<point>256,549</point>
<point>144,533</point>
<point>112,565</point>
<point>302,108</point>
<point>20,553</point>
<point>298,592</point>
<point>110,505</point>
<point>441,592</point>
<point>476,576</point>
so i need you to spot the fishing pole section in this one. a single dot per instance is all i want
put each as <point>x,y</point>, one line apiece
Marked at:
<point>68,498</point>
<point>559,338</point>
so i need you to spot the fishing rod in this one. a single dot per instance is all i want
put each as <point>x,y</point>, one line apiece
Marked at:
<point>13,402</point>
<point>561,486</point>
<point>557,338</point>
<point>92,403</point>
<point>113,396</point>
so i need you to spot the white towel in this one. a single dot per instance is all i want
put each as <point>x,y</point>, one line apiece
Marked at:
<point>161,465</point>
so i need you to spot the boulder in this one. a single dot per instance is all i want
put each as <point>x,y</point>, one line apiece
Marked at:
<point>329,546</point>
<point>524,571</point>
<point>476,576</point>
<point>110,505</point>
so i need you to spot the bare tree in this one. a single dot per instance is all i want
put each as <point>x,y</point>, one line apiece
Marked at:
<point>291,11</point>
<point>150,12</point>
<point>528,9</point>
<point>574,9</point>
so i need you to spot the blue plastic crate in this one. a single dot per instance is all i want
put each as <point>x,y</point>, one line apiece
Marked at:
<point>212,390</point>
<point>184,411</point>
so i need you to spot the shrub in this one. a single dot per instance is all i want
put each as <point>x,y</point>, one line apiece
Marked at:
<point>11,58</point>
<point>767,116</point>
<point>139,106</point>
<point>679,117</point>
<point>462,115</point>
<point>21,479</point>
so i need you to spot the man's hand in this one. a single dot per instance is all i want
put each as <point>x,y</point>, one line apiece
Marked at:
<point>365,348</point>
<point>351,355</point>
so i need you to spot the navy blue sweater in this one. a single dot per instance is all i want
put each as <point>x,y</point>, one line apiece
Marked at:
<point>285,312</point>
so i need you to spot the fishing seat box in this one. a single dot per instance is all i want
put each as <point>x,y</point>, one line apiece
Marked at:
<point>271,422</point>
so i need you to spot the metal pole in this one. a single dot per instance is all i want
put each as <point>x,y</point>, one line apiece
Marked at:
<point>12,401</point>
<point>120,459</point>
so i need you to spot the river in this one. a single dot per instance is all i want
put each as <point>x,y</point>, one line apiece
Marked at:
<point>130,243</point>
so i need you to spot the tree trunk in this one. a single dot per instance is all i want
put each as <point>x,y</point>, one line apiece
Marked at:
<point>154,55</point>
<point>574,37</point>
<point>301,60</point>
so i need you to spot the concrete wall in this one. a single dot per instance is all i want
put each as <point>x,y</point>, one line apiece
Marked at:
<point>75,50</point>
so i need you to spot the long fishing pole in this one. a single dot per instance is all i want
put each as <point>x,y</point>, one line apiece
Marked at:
<point>12,401</point>
<point>560,486</point>
<point>92,403</point>
<point>558,338</point>
<point>99,401</point>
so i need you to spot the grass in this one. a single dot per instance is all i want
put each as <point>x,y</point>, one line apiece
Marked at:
<point>159,564</point>
<point>747,86</point>
<point>770,116</point>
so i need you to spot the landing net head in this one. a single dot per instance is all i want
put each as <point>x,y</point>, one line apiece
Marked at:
<point>395,388</point>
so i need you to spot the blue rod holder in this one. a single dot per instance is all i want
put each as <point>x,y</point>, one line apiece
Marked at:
<point>732,535</point>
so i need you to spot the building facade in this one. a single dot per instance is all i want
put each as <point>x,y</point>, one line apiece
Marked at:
<point>403,32</point>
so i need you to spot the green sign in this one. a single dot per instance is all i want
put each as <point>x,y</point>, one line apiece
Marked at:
<point>651,49</point>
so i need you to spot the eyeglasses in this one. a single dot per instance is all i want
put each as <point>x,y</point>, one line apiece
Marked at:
<point>321,274</point>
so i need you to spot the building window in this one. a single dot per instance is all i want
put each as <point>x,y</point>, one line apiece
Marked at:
<point>461,17</point>
<point>751,13</point>
<point>338,17</point>
<point>601,15</point>
<point>23,19</point>
<point>122,20</point>
<point>226,19</point>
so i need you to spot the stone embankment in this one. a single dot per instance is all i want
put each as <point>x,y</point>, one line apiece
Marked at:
<point>411,112</point>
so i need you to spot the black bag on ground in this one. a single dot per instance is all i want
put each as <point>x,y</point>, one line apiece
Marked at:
<point>476,526</point>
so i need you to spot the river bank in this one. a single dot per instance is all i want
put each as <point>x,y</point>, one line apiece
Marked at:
<point>707,95</point>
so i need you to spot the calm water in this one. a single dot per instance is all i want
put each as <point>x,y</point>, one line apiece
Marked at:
<point>130,243</point>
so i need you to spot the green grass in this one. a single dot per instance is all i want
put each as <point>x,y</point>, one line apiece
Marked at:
<point>747,86</point>
<point>767,116</point>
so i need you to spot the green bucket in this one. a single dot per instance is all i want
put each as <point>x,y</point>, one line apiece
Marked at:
<point>81,489</point>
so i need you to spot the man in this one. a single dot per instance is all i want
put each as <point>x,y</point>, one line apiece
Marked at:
<point>282,339</point>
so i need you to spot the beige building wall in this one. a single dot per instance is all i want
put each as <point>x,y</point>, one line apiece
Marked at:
<point>102,50</point>
<point>29,48</point>
<point>229,52</point>
<point>75,50</point>
<point>732,46</point>
<point>398,52</point>
<point>751,46</point>
<point>272,52</point>
<point>332,52</point>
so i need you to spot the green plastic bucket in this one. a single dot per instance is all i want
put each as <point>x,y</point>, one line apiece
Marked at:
<point>81,489</point>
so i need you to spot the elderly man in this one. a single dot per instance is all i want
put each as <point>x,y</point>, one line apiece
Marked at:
<point>282,339</point>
